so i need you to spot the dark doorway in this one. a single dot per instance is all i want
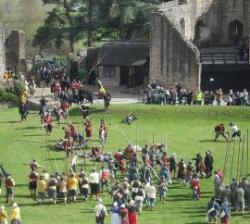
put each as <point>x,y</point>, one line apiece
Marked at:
<point>124,76</point>
<point>235,31</point>
<point>236,80</point>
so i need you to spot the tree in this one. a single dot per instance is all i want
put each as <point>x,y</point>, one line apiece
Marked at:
<point>69,20</point>
<point>130,18</point>
<point>19,14</point>
<point>93,20</point>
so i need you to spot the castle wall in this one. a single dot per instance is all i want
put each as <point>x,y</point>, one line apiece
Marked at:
<point>216,15</point>
<point>16,51</point>
<point>172,58</point>
<point>235,10</point>
<point>2,50</point>
<point>178,29</point>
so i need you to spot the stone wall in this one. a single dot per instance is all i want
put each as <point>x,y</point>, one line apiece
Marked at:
<point>15,51</point>
<point>178,29</point>
<point>2,51</point>
<point>215,15</point>
<point>172,58</point>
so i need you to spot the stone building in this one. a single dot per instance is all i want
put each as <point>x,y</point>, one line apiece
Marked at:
<point>123,63</point>
<point>12,50</point>
<point>197,42</point>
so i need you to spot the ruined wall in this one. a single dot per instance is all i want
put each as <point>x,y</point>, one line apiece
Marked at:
<point>178,29</point>
<point>188,12</point>
<point>215,16</point>
<point>172,58</point>
<point>15,47</point>
<point>235,10</point>
<point>2,50</point>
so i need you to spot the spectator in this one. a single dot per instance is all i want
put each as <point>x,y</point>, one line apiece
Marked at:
<point>100,212</point>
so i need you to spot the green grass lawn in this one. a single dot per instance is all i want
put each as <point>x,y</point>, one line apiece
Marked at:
<point>187,130</point>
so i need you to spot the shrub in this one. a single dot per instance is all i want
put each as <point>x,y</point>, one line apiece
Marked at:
<point>19,87</point>
<point>8,97</point>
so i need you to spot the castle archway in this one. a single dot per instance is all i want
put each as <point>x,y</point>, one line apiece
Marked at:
<point>183,26</point>
<point>235,31</point>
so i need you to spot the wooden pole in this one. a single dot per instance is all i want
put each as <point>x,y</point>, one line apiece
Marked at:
<point>238,163</point>
<point>153,137</point>
<point>136,134</point>
<point>232,160</point>
<point>166,142</point>
<point>242,157</point>
<point>247,156</point>
<point>225,161</point>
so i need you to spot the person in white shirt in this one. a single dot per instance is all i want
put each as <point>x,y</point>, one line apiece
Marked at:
<point>235,131</point>
<point>150,192</point>
<point>74,162</point>
<point>100,212</point>
<point>94,181</point>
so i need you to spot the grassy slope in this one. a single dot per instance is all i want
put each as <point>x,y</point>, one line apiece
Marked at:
<point>188,129</point>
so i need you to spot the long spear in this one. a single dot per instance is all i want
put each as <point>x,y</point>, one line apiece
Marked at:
<point>247,156</point>
<point>153,137</point>
<point>136,140</point>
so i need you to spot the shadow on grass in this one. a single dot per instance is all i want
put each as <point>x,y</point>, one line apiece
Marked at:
<point>180,195</point>
<point>33,135</point>
<point>28,128</point>
<point>21,185</point>
<point>194,211</point>
<point>239,214</point>
<point>196,208</point>
<point>180,199</point>
<point>51,148</point>
<point>94,140</point>
<point>92,110</point>
<point>210,140</point>
<point>193,222</point>
<point>22,196</point>
<point>9,122</point>
<point>35,203</point>
<point>177,186</point>
<point>87,211</point>
<point>57,159</point>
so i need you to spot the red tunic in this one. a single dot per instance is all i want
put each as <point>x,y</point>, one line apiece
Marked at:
<point>132,218</point>
<point>196,185</point>
<point>48,120</point>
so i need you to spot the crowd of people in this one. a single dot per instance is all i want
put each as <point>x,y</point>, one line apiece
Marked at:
<point>134,177</point>
<point>227,198</point>
<point>157,94</point>
<point>145,175</point>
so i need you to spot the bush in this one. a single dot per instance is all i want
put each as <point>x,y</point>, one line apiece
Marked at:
<point>8,97</point>
<point>19,87</point>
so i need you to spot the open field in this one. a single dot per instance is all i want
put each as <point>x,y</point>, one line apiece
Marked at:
<point>188,130</point>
